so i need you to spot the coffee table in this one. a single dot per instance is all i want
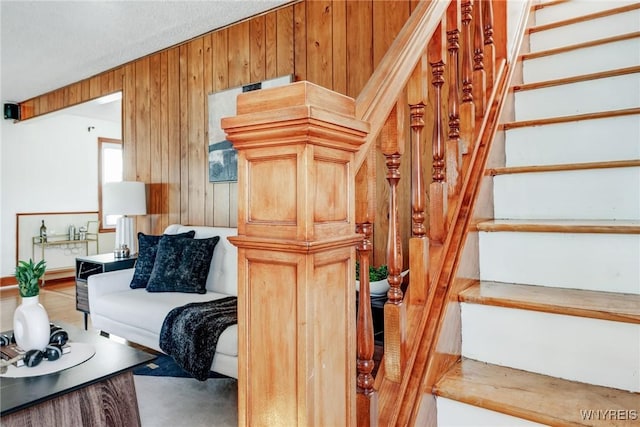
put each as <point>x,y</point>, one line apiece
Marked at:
<point>99,391</point>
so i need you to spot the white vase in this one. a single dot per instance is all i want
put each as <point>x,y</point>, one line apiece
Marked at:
<point>31,325</point>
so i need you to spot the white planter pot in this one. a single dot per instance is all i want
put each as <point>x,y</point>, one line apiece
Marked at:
<point>31,325</point>
<point>379,287</point>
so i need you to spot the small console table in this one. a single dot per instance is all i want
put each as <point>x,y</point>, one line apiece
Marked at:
<point>94,264</point>
<point>60,240</point>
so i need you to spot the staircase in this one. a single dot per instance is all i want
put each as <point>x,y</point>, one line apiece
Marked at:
<point>551,331</point>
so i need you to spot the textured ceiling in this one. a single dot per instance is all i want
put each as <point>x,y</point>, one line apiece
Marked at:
<point>48,44</point>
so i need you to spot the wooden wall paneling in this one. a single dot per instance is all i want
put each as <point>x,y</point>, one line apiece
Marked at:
<point>209,87</point>
<point>320,43</point>
<point>300,41</point>
<point>359,45</point>
<point>95,85</point>
<point>129,122</point>
<point>50,102</point>
<point>174,159</point>
<point>44,104</point>
<point>75,93</point>
<point>161,185</point>
<point>184,137</point>
<point>257,49</point>
<point>220,191</point>
<point>86,90</point>
<point>154,196</point>
<point>238,55</point>
<point>28,109</point>
<point>271,45</point>
<point>221,64</point>
<point>106,82</point>
<point>142,139</point>
<point>34,104</point>
<point>388,18</point>
<point>197,143</point>
<point>284,41</point>
<point>56,100</point>
<point>65,96</point>
<point>339,25</point>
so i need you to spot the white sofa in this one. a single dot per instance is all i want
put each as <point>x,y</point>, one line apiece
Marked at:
<point>137,315</point>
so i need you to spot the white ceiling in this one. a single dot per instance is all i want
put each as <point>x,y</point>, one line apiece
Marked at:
<point>48,44</point>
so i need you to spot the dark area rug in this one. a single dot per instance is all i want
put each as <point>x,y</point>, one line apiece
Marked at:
<point>165,366</point>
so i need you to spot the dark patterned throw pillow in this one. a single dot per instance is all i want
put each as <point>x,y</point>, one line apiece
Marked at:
<point>147,249</point>
<point>182,265</point>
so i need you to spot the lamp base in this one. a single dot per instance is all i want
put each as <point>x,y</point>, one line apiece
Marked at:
<point>124,237</point>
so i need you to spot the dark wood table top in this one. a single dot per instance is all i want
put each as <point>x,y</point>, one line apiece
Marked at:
<point>111,359</point>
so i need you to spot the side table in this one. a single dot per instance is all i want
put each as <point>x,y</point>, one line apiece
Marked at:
<point>94,264</point>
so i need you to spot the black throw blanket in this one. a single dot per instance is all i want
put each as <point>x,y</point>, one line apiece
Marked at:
<point>190,333</point>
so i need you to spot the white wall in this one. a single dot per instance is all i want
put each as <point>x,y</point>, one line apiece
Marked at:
<point>48,164</point>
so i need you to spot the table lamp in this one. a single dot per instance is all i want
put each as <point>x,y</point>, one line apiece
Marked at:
<point>124,198</point>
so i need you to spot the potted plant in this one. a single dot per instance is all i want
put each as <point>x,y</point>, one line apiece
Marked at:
<point>378,283</point>
<point>28,275</point>
<point>30,320</point>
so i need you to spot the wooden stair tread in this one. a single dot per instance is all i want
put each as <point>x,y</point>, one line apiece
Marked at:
<point>573,302</point>
<point>535,397</point>
<point>576,79</point>
<point>572,118</point>
<point>561,226</point>
<point>563,167</point>
<point>590,43</point>
<point>583,18</point>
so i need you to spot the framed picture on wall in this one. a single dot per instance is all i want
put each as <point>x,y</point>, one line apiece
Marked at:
<point>223,158</point>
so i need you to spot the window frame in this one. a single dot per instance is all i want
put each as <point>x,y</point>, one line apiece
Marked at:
<point>102,142</point>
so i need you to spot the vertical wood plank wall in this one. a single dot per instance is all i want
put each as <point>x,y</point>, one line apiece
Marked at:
<point>333,43</point>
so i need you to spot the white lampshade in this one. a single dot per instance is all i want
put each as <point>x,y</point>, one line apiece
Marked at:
<point>124,198</point>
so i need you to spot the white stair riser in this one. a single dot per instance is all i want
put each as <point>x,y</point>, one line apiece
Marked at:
<point>572,9</point>
<point>594,59</point>
<point>580,32</point>
<point>598,262</point>
<point>574,142</point>
<point>583,97</point>
<point>575,348</point>
<point>609,193</point>
<point>454,413</point>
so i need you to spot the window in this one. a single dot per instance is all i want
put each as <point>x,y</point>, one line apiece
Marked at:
<point>109,170</point>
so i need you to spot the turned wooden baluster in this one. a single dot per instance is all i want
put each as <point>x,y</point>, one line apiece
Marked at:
<point>452,149</point>
<point>394,246</point>
<point>418,243</point>
<point>417,175</point>
<point>467,109</point>
<point>366,400</point>
<point>479,75</point>
<point>395,313</point>
<point>437,189</point>
<point>489,46</point>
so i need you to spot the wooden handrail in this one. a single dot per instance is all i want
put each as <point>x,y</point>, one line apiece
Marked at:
<point>381,92</point>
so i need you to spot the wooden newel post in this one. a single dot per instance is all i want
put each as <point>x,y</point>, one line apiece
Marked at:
<point>296,255</point>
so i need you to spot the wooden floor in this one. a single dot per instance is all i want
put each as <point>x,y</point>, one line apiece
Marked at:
<point>58,298</point>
